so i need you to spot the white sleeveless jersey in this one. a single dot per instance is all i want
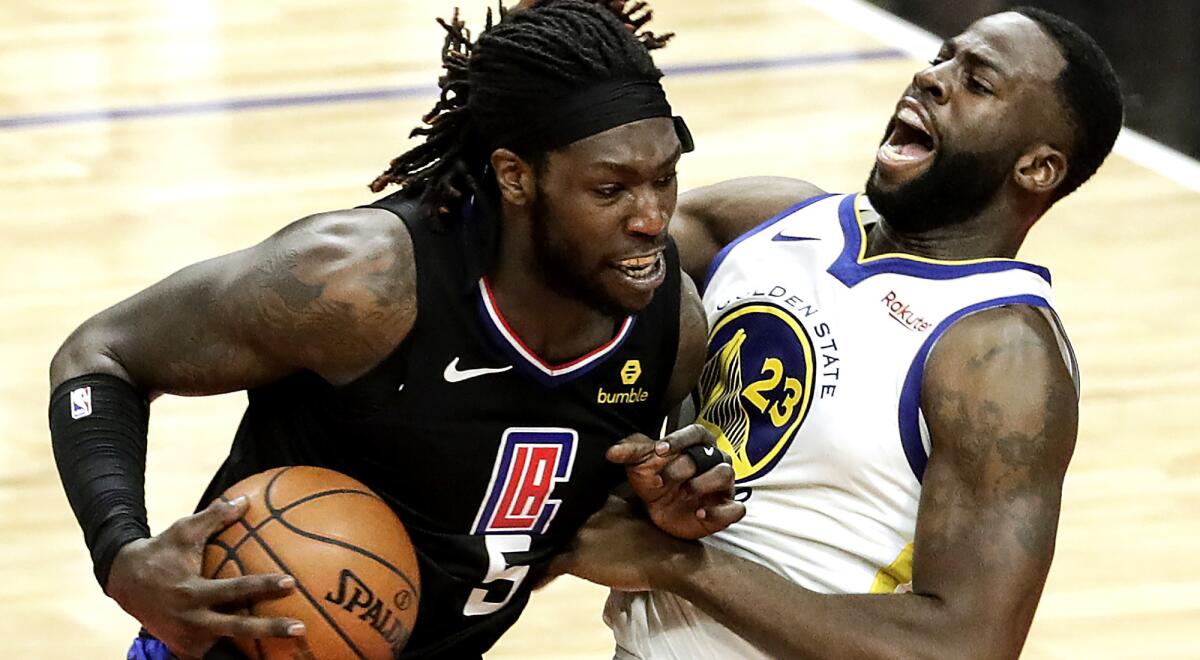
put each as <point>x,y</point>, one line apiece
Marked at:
<point>813,385</point>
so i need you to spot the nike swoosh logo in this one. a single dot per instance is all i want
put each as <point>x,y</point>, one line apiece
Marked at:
<point>783,237</point>
<point>453,374</point>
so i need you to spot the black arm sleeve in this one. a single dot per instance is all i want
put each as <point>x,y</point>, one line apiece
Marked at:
<point>98,426</point>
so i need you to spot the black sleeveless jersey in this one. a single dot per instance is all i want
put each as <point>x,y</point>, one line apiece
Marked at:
<point>491,457</point>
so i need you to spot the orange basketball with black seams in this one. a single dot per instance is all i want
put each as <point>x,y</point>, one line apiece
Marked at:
<point>357,583</point>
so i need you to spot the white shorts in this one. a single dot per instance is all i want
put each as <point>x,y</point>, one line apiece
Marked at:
<point>661,626</point>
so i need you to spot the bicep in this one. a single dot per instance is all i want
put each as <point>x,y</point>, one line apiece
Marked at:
<point>709,218</point>
<point>314,296</point>
<point>1002,415</point>
<point>179,336</point>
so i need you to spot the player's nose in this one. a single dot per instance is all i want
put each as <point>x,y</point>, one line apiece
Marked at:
<point>650,215</point>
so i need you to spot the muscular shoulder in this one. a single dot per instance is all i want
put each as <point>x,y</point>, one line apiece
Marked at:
<point>999,340</point>
<point>1001,370</point>
<point>709,218</point>
<point>359,256</point>
<point>343,282</point>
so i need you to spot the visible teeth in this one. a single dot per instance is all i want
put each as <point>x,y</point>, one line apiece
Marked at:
<point>639,262</point>
<point>911,118</point>
<point>639,267</point>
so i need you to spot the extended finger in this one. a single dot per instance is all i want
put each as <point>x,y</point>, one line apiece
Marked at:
<point>690,435</point>
<point>257,627</point>
<point>198,527</point>
<point>631,450</point>
<point>245,588</point>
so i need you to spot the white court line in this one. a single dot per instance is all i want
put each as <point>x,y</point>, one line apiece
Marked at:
<point>922,45</point>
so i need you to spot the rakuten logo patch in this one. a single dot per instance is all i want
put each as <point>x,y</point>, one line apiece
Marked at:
<point>901,313</point>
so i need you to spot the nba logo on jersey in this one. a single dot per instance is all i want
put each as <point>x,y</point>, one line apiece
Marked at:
<point>81,402</point>
<point>529,463</point>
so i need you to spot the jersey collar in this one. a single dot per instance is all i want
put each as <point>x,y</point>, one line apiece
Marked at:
<point>528,361</point>
<point>852,266</point>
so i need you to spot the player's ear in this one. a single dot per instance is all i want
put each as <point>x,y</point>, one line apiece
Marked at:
<point>1041,169</point>
<point>514,177</point>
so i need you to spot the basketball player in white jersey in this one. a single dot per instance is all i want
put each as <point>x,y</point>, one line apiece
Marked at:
<point>894,388</point>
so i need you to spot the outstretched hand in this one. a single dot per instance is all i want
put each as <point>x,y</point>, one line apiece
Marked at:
<point>681,501</point>
<point>158,580</point>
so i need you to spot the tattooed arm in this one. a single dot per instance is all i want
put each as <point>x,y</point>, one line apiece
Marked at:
<point>333,293</point>
<point>1001,410</point>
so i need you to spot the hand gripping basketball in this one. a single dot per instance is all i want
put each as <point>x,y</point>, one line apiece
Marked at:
<point>357,586</point>
<point>158,581</point>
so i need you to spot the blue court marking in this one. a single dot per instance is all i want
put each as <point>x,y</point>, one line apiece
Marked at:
<point>392,93</point>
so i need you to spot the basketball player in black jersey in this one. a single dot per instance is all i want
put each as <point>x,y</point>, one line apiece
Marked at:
<point>482,337</point>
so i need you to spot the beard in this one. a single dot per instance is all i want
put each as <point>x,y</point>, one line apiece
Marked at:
<point>955,188</point>
<point>562,267</point>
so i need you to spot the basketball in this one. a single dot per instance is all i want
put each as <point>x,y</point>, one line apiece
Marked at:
<point>357,585</point>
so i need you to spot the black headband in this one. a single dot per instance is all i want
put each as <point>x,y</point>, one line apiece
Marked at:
<point>555,123</point>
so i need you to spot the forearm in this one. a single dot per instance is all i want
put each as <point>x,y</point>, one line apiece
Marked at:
<point>98,427</point>
<point>786,620</point>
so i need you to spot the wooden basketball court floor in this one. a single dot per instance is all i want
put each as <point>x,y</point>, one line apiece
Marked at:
<point>139,136</point>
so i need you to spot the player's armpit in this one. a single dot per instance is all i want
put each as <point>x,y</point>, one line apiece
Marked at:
<point>709,218</point>
<point>1002,413</point>
<point>333,293</point>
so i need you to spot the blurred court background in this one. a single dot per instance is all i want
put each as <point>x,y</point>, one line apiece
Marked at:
<point>138,136</point>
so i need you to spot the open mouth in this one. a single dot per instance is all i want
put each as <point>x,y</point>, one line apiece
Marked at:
<point>644,270</point>
<point>909,148</point>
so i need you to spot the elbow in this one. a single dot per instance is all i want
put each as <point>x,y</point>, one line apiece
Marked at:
<point>85,351</point>
<point>979,635</point>
<point>986,645</point>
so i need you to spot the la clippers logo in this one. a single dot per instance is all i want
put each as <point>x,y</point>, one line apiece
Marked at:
<point>901,313</point>
<point>529,463</point>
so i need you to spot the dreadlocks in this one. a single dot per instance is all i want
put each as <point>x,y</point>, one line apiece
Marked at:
<point>487,85</point>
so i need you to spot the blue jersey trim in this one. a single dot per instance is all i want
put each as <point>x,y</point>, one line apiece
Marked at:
<point>850,270</point>
<point>716,262</point>
<point>910,394</point>
<point>522,363</point>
